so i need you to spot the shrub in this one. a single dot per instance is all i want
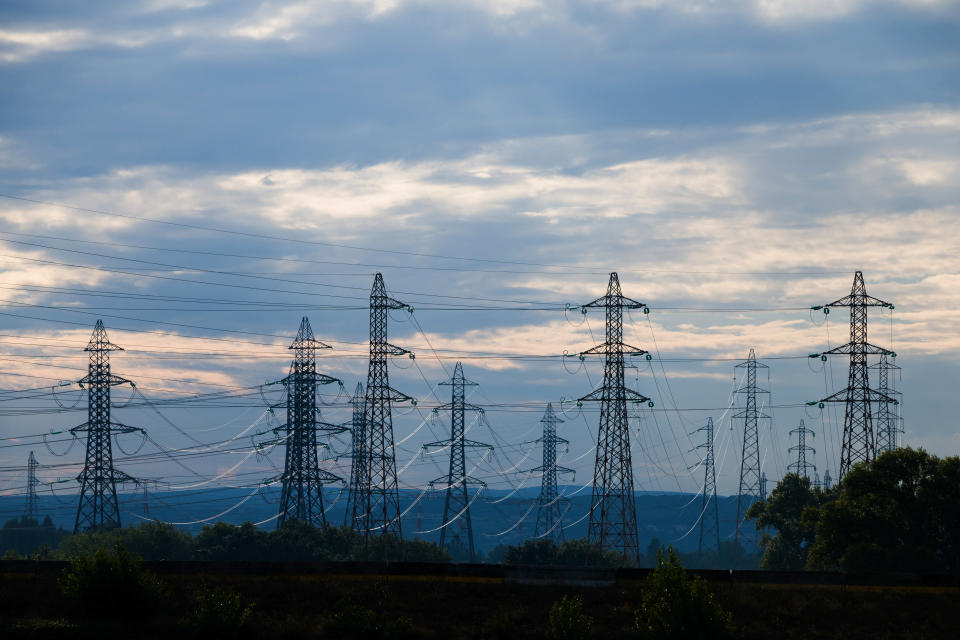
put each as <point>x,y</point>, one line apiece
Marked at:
<point>676,605</point>
<point>219,611</point>
<point>111,585</point>
<point>568,621</point>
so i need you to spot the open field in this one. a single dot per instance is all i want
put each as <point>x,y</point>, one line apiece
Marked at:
<point>373,600</point>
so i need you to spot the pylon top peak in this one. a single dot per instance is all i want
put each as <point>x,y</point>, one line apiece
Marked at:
<point>99,340</point>
<point>305,337</point>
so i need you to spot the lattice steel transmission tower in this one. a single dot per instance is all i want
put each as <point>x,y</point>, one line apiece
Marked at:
<point>802,467</point>
<point>98,508</point>
<point>356,447</point>
<point>858,435</point>
<point>457,499</point>
<point>889,421</point>
<point>827,480</point>
<point>751,482</point>
<point>31,510</point>
<point>709,509</point>
<point>376,508</point>
<point>302,495</point>
<point>613,509</point>
<point>551,506</point>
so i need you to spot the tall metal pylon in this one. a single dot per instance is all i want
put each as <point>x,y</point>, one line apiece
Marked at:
<point>31,509</point>
<point>802,467</point>
<point>709,509</point>
<point>858,435</point>
<point>376,509</point>
<point>302,495</point>
<point>356,449</point>
<point>751,488</point>
<point>613,508</point>
<point>98,508</point>
<point>889,421</point>
<point>551,506</point>
<point>827,480</point>
<point>457,500</point>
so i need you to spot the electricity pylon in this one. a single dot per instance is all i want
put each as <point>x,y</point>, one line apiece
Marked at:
<point>613,509</point>
<point>889,422</point>
<point>302,495</point>
<point>98,508</point>
<point>827,480</point>
<point>802,467</point>
<point>751,486</point>
<point>31,510</point>
<point>550,505</point>
<point>457,500</point>
<point>709,509</point>
<point>356,445</point>
<point>858,435</point>
<point>376,508</point>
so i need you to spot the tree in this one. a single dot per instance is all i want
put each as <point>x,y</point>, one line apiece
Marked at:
<point>898,513</point>
<point>784,511</point>
<point>679,606</point>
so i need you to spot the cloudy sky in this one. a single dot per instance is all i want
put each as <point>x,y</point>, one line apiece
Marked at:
<point>201,174</point>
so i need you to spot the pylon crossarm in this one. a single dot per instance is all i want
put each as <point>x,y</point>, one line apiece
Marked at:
<point>117,427</point>
<point>629,395</point>
<point>103,379</point>
<point>466,407</point>
<point>865,301</point>
<point>326,476</point>
<point>606,347</point>
<point>605,301</point>
<point>387,349</point>
<point>399,396</point>
<point>861,347</point>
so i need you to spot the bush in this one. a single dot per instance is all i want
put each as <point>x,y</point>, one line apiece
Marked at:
<point>218,611</point>
<point>111,585</point>
<point>568,621</point>
<point>676,605</point>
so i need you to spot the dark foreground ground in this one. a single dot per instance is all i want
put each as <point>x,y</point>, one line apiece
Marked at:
<point>459,601</point>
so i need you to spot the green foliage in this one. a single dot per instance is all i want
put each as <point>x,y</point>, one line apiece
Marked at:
<point>784,511</point>
<point>149,541</point>
<point>898,513</point>
<point>568,620</point>
<point>25,535</point>
<point>676,605</point>
<point>218,611</point>
<point>577,552</point>
<point>111,585</point>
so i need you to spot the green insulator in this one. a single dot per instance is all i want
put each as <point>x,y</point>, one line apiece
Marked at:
<point>820,405</point>
<point>646,310</point>
<point>650,404</point>
<point>649,357</point>
<point>823,358</point>
<point>826,310</point>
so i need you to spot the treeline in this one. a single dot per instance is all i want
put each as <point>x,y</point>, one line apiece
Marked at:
<point>295,541</point>
<point>901,512</point>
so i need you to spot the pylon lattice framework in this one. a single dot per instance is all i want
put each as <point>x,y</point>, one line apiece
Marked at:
<point>613,510</point>
<point>301,497</point>
<point>802,467</point>
<point>356,442</point>
<point>31,509</point>
<point>376,508</point>
<point>858,435</point>
<point>551,506</point>
<point>97,508</point>
<point>751,486</point>
<point>889,422</point>
<point>709,509</point>
<point>456,504</point>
